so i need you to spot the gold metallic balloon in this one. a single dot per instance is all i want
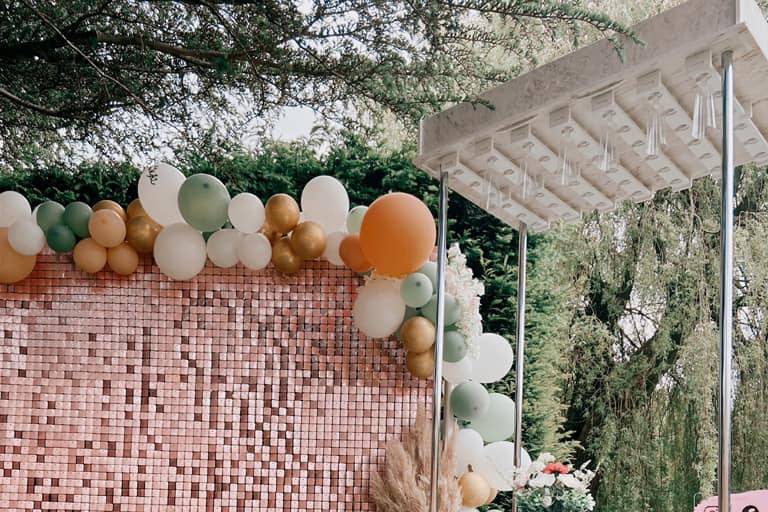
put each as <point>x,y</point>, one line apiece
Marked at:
<point>418,334</point>
<point>89,256</point>
<point>421,365</point>
<point>141,233</point>
<point>308,240</point>
<point>271,234</point>
<point>135,209</point>
<point>282,213</point>
<point>283,257</point>
<point>106,204</point>
<point>123,259</point>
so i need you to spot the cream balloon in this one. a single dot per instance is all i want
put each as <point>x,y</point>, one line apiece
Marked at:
<point>246,213</point>
<point>379,310</point>
<point>332,243</point>
<point>26,237</point>
<point>324,200</point>
<point>222,247</point>
<point>456,373</point>
<point>496,464</point>
<point>158,192</point>
<point>180,251</point>
<point>255,251</point>
<point>494,358</point>
<point>13,207</point>
<point>469,445</point>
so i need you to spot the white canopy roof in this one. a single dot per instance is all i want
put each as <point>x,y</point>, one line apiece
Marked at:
<point>577,134</point>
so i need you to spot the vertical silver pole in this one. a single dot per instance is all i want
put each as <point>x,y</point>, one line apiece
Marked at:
<point>726,290</point>
<point>442,230</point>
<point>522,258</point>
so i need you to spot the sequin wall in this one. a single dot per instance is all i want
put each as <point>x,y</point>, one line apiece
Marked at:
<point>235,391</point>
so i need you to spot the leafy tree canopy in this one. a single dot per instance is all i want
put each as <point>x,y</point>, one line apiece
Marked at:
<point>117,71</point>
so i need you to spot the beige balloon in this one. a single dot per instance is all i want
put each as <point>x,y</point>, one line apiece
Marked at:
<point>89,256</point>
<point>107,204</point>
<point>107,228</point>
<point>13,266</point>
<point>123,259</point>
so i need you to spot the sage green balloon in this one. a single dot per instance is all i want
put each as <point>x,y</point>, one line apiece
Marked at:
<point>416,290</point>
<point>452,309</point>
<point>203,202</point>
<point>355,219</point>
<point>469,400</point>
<point>454,347</point>
<point>498,422</point>
<point>60,238</point>
<point>429,269</point>
<point>76,216</point>
<point>49,214</point>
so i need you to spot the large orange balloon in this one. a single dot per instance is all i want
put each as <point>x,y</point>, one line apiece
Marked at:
<point>123,259</point>
<point>13,266</point>
<point>352,254</point>
<point>398,234</point>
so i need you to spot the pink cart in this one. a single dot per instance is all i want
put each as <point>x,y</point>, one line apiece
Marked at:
<point>752,501</point>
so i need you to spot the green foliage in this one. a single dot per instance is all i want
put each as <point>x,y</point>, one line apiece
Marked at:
<point>119,74</point>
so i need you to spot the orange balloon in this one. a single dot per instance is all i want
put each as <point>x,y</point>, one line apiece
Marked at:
<point>398,234</point>
<point>352,254</point>
<point>107,204</point>
<point>13,266</point>
<point>123,259</point>
<point>89,256</point>
<point>107,228</point>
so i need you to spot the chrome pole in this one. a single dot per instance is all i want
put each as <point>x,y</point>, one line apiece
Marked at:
<point>726,290</point>
<point>522,258</point>
<point>442,229</point>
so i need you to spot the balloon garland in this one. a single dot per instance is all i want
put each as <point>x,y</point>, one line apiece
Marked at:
<point>183,222</point>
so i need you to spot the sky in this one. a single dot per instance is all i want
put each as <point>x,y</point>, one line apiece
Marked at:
<point>294,123</point>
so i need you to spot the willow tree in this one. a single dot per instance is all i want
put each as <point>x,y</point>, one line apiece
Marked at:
<point>127,70</point>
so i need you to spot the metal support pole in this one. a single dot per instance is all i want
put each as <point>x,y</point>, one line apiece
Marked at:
<point>726,290</point>
<point>522,258</point>
<point>442,230</point>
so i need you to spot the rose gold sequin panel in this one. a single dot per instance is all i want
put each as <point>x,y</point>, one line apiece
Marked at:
<point>234,391</point>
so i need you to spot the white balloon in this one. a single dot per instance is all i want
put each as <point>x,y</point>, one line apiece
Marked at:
<point>494,358</point>
<point>158,192</point>
<point>498,422</point>
<point>497,465</point>
<point>255,251</point>
<point>456,373</point>
<point>332,243</point>
<point>246,213</point>
<point>13,207</point>
<point>26,237</point>
<point>180,251</point>
<point>222,247</point>
<point>379,310</point>
<point>324,200</point>
<point>355,219</point>
<point>469,445</point>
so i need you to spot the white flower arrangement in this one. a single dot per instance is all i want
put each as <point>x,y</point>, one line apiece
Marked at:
<point>546,483</point>
<point>461,283</point>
